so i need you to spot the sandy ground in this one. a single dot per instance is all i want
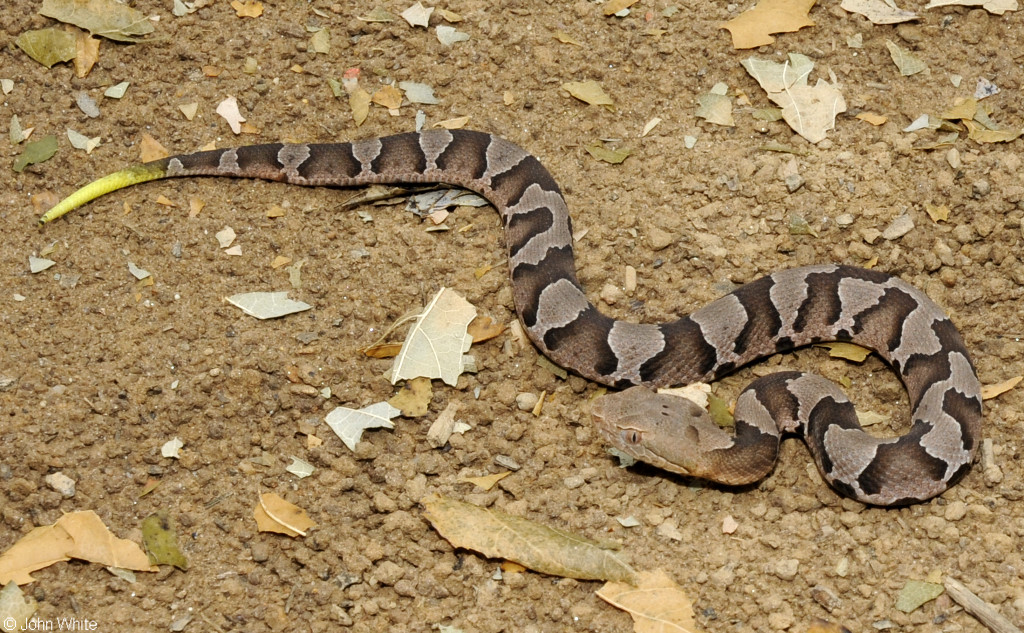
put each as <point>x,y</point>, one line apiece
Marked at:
<point>98,371</point>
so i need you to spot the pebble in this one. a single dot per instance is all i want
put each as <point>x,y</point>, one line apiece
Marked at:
<point>953,158</point>
<point>844,220</point>
<point>526,401</point>
<point>61,483</point>
<point>506,462</point>
<point>955,511</point>
<point>612,294</point>
<point>658,239</point>
<point>794,182</point>
<point>786,569</point>
<point>899,227</point>
<point>573,482</point>
<point>981,188</point>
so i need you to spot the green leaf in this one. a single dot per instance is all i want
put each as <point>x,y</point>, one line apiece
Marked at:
<point>47,46</point>
<point>915,593</point>
<point>161,541</point>
<point>106,18</point>
<point>36,152</point>
<point>607,155</point>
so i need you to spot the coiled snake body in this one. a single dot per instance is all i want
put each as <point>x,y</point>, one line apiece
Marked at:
<point>776,313</point>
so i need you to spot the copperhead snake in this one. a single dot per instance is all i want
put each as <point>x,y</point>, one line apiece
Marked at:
<point>776,313</point>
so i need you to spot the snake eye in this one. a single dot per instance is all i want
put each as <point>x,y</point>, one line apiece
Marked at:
<point>632,436</point>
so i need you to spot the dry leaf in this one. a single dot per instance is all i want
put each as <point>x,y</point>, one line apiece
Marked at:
<point>274,514</point>
<point>444,426</point>
<point>437,341</point>
<point>715,108</point>
<point>589,92</point>
<point>879,11</point>
<point>247,9</point>
<point>991,391</point>
<point>267,305</point>
<point>656,603</point>
<point>846,351</point>
<point>418,15</point>
<point>74,535</point>
<point>87,51</point>
<point>151,149</point>
<point>228,110</point>
<point>382,350</point>
<point>413,399</point>
<point>349,424</point>
<point>565,38</point>
<point>161,541</point>
<point>997,7</point>
<point>538,547</point>
<point>487,481</point>
<point>937,213</point>
<point>753,28</point>
<point>872,118</point>
<point>614,6</point>
<point>389,96</point>
<point>453,124</point>
<point>106,18</point>
<point>908,63</point>
<point>484,328</point>
<point>810,111</point>
<point>981,134</point>
<point>359,100</point>
<point>610,156</point>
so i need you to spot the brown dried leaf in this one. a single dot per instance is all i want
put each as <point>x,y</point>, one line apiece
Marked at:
<point>151,149</point>
<point>655,602</point>
<point>87,51</point>
<point>981,134</point>
<point>484,328</point>
<point>274,514</point>
<point>359,100</point>
<point>872,118</point>
<point>538,547</point>
<point>846,351</point>
<point>937,213</point>
<point>247,9</point>
<point>754,27</point>
<point>389,96</point>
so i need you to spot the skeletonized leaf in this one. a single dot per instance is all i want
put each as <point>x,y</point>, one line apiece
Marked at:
<point>437,341</point>
<point>810,110</point>
<point>656,603</point>
<point>754,27</point>
<point>908,63</point>
<point>267,305</point>
<point>349,424</point>
<point>106,18</point>
<point>879,11</point>
<point>538,547</point>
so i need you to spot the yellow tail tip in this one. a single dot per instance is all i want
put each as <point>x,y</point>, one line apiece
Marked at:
<point>117,180</point>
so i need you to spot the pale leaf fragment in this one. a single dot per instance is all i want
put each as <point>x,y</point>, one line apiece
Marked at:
<point>447,35</point>
<point>418,15</point>
<point>715,108</point>
<point>456,123</point>
<point>437,341</point>
<point>613,7</point>
<point>908,63</point>
<point>444,426</point>
<point>917,592</point>
<point>117,91</point>
<point>274,514</point>
<point>47,46</point>
<point>991,391</point>
<point>15,608</point>
<point>247,9</point>
<point>171,448</point>
<point>267,305</point>
<point>810,111</point>
<point>189,109</point>
<point>879,11</point>
<point>997,7</point>
<point>417,92</point>
<point>754,27</point>
<point>589,92</point>
<point>299,467</point>
<point>486,482</point>
<point>150,149</point>
<point>872,118</point>
<point>349,424</point>
<point>655,602</point>
<point>535,546</point>
<point>228,110</point>
<point>938,213</point>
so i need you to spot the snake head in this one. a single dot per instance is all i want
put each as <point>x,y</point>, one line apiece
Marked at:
<point>666,431</point>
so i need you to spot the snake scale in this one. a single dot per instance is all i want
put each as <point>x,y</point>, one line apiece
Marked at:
<point>775,313</point>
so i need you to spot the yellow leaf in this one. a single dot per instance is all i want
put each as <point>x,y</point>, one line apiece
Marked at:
<point>87,51</point>
<point>247,9</point>
<point>533,545</point>
<point>937,213</point>
<point>413,399</point>
<point>753,28</point>
<point>165,201</point>
<point>565,38</point>
<point>991,391</point>
<point>382,350</point>
<point>195,205</point>
<point>389,97</point>
<point>453,124</point>
<point>656,603</point>
<point>151,149</point>
<point>359,101</point>
<point>486,482</point>
<point>979,133</point>
<point>589,92</point>
<point>484,328</point>
<point>274,514</point>
<point>279,261</point>
<point>872,118</point>
<point>614,6</point>
<point>846,351</point>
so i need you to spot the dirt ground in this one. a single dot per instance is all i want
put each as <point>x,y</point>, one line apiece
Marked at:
<point>98,370</point>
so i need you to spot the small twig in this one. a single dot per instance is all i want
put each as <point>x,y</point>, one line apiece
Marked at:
<point>985,612</point>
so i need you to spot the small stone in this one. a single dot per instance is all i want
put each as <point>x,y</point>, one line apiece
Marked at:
<point>786,569</point>
<point>953,158</point>
<point>898,227</point>
<point>573,482</point>
<point>826,598</point>
<point>844,220</point>
<point>729,524</point>
<point>630,281</point>
<point>723,576</point>
<point>506,462</point>
<point>612,294</point>
<point>794,182</point>
<point>955,511</point>
<point>981,188</point>
<point>780,621</point>
<point>526,401</point>
<point>870,235</point>
<point>260,552</point>
<point>658,239</point>
<point>61,483</point>
<point>670,530</point>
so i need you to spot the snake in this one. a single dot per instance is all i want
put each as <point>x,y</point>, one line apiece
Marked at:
<point>776,313</point>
